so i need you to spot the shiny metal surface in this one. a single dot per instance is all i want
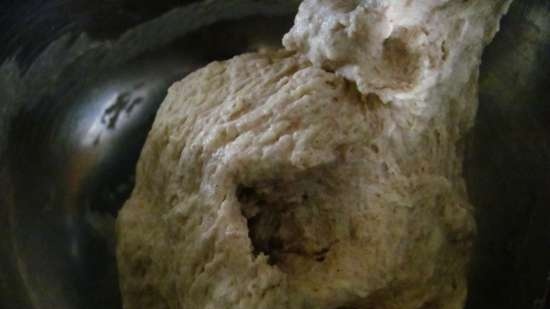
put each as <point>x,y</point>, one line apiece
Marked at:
<point>73,174</point>
<point>74,118</point>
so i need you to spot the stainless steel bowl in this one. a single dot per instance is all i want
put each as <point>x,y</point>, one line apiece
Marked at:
<point>81,81</point>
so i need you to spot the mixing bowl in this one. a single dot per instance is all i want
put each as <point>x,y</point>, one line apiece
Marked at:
<point>80,82</point>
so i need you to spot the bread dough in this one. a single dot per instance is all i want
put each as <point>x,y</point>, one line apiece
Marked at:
<point>396,48</point>
<point>279,180</point>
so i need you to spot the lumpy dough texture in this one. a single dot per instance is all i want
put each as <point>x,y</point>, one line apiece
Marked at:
<point>276,180</point>
<point>261,186</point>
<point>395,47</point>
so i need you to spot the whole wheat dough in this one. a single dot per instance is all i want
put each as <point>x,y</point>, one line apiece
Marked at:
<point>325,177</point>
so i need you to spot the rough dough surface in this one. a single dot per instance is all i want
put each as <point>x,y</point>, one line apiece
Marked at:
<point>279,180</point>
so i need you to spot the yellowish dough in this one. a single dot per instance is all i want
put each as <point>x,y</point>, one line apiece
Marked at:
<point>326,176</point>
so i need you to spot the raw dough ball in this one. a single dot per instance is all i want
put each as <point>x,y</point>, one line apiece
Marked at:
<point>260,187</point>
<point>270,182</point>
